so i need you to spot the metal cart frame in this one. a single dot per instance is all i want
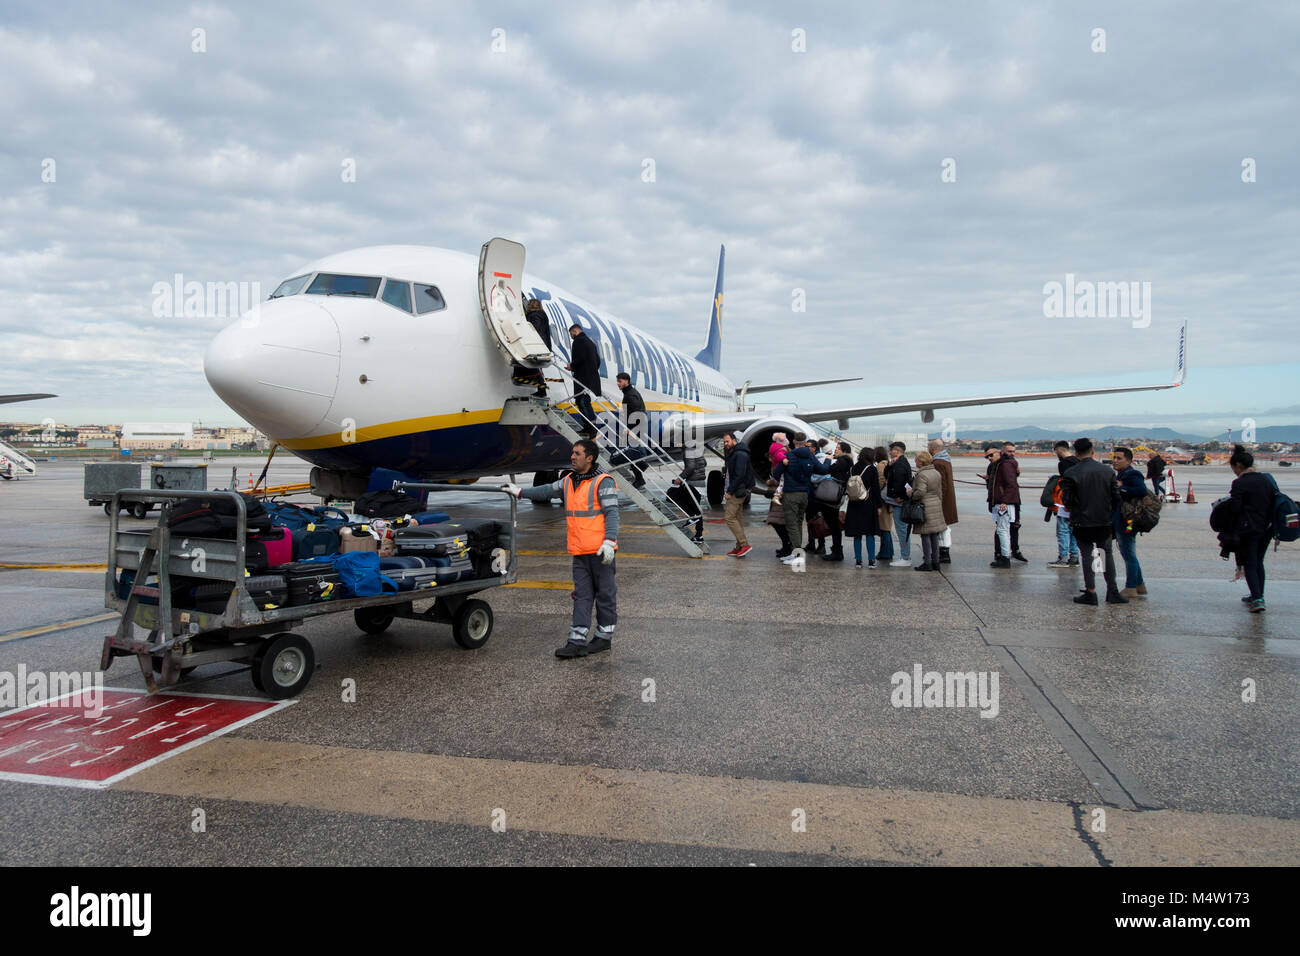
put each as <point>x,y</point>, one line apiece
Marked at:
<point>180,639</point>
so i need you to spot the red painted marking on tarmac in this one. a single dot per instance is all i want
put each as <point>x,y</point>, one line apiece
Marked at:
<point>65,742</point>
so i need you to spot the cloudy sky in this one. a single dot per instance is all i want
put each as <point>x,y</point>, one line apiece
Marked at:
<point>821,169</point>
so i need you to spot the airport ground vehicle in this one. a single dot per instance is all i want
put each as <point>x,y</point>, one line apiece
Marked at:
<point>178,639</point>
<point>101,479</point>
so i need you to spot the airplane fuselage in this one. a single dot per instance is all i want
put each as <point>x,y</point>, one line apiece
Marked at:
<point>351,382</point>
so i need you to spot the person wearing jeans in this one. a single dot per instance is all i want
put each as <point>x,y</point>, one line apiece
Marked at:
<point>1131,488</point>
<point>898,478</point>
<point>1067,546</point>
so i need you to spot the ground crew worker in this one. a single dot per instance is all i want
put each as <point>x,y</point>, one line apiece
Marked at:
<point>591,513</point>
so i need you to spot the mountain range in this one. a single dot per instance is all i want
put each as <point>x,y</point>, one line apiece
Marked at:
<point>1107,433</point>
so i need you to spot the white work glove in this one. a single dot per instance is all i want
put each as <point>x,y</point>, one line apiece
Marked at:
<point>606,551</point>
<point>513,489</point>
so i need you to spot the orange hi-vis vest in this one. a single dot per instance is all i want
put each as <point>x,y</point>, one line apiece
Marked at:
<point>582,510</point>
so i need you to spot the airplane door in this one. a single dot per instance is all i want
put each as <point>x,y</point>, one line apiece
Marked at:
<point>500,294</point>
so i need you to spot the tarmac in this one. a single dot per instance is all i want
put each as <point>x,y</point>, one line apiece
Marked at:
<point>745,714</point>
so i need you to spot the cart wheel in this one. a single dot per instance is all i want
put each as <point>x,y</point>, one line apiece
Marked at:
<point>139,509</point>
<point>283,666</point>
<point>108,508</point>
<point>472,625</point>
<point>373,620</point>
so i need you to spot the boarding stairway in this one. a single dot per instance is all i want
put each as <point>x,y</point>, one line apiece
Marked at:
<point>652,498</point>
<point>14,463</point>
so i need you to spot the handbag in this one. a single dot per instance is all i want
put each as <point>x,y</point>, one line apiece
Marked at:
<point>885,518</point>
<point>776,513</point>
<point>818,528</point>
<point>828,490</point>
<point>913,512</point>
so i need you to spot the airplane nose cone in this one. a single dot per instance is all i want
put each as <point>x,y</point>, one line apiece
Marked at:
<point>278,366</point>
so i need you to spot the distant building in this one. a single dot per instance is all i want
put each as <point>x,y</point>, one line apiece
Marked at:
<point>156,436</point>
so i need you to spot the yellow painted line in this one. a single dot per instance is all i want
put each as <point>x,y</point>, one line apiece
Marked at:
<point>544,585</point>
<point>62,626</point>
<point>686,809</point>
<point>55,567</point>
<point>541,553</point>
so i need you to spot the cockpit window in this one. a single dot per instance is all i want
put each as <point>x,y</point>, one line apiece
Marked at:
<point>397,294</point>
<point>290,286</point>
<point>428,299</point>
<point>331,284</point>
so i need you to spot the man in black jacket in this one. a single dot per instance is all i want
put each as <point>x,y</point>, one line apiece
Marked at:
<point>1156,473</point>
<point>738,477</point>
<point>1089,491</point>
<point>841,467</point>
<point>898,478</point>
<point>585,366</point>
<point>637,423</point>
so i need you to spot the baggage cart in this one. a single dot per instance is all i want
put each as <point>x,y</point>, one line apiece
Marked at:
<point>101,480</point>
<point>178,638</point>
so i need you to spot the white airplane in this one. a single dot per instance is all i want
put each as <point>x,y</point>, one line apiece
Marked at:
<point>400,357</point>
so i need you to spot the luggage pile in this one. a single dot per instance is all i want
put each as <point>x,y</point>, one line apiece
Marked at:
<point>296,555</point>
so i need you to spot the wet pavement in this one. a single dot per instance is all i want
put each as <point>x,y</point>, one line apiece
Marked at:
<point>736,694</point>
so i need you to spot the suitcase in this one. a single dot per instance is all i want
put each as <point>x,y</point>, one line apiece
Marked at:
<point>311,581</point>
<point>278,543</point>
<point>455,569</point>
<point>411,579</point>
<point>483,534</point>
<point>430,517</point>
<point>429,543</point>
<point>403,563</point>
<point>314,543</point>
<point>354,539</point>
<point>267,590</point>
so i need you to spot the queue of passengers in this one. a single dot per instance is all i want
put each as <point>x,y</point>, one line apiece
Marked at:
<point>818,491</point>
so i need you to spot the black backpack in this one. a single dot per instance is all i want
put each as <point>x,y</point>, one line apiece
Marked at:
<point>388,503</point>
<point>214,517</point>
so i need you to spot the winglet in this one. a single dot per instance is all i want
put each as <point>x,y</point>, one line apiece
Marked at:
<point>711,354</point>
<point>1180,373</point>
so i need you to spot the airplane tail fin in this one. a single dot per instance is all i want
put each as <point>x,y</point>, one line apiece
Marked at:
<point>711,354</point>
<point>1180,372</point>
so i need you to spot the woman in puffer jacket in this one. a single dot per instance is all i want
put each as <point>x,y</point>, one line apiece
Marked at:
<point>927,487</point>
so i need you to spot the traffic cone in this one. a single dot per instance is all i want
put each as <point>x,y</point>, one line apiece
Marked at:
<point>1191,498</point>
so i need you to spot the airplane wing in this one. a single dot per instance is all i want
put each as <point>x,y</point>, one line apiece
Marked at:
<point>714,424</point>
<point>9,399</point>
<point>751,389</point>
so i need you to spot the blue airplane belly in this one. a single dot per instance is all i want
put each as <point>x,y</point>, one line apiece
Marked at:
<point>460,451</point>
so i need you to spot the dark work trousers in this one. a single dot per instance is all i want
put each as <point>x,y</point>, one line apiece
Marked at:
<point>583,401</point>
<point>1250,553</point>
<point>593,582</point>
<point>785,538</point>
<point>1100,536</point>
<point>683,496</point>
